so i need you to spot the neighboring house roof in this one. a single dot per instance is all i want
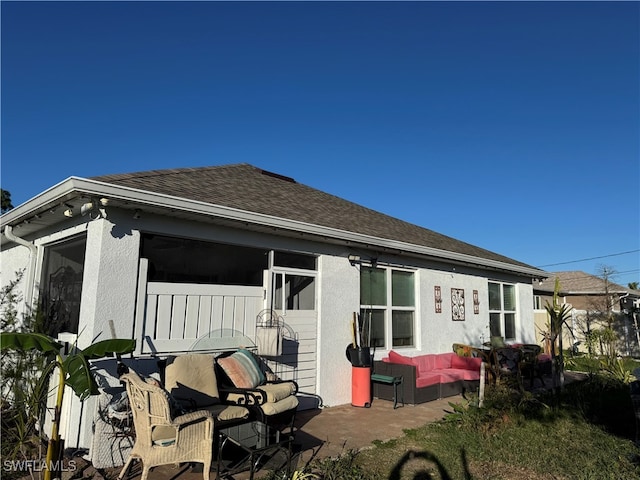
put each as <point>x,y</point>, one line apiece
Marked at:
<point>252,196</point>
<point>579,283</point>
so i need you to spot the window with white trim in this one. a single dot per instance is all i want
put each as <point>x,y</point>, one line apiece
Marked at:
<point>294,281</point>
<point>502,310</point>
<point>537,302</point>
<point>388,306</point>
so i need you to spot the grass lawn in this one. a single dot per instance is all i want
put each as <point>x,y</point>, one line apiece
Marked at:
<point>509,448</point>
<point>585,433</point>
<point>592,364</point>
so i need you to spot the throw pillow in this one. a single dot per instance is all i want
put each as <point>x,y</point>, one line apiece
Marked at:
<point>401,359</point>
<point>242,369</point>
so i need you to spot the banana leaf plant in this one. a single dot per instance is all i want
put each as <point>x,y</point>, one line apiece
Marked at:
<point>73,371</point>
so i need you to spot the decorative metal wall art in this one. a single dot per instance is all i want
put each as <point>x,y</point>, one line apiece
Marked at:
<point>476,302</point>
<point>438,298</point>
<point>457,304</point>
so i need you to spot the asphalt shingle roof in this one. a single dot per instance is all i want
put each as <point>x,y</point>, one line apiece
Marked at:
<point>245,187</point>
<point>577,282</point>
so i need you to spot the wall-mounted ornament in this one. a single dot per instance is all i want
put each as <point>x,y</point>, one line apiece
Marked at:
<point>476,302</point>
<point>457,304</point>
<point>438,298</point>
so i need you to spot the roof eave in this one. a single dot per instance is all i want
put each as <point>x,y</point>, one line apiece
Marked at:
<point>75,186</point>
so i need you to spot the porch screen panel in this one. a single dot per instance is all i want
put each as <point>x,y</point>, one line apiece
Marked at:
<point>61,285</point>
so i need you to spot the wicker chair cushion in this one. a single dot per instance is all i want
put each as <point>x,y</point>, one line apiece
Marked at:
<point>192,381</point>
<point>163,435</point>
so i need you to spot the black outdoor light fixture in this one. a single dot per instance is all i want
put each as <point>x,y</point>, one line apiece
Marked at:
<point>357,260</point>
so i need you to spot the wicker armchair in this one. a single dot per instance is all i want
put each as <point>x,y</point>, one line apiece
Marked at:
<point>160,438</point>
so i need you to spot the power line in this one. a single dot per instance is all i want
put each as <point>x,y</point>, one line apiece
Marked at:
<point>581,275</point>
<point>587,259</point>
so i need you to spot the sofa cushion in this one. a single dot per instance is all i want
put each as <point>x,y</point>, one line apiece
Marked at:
<point>428,379</point>
<point>448,375</point>
<point>443,360</point>
<point>425,363</point>
<point>395,357</point>
<point>466,363</point>
<point>457,374</point>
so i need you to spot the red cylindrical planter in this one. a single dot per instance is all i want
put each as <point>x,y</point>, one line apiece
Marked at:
<point>361,386</point>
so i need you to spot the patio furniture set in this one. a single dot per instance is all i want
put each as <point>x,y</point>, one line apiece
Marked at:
<point>424,378</point>
<point>206,405</point>
<point>210,404</point>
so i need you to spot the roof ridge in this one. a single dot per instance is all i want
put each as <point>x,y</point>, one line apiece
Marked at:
<point>170,171</point>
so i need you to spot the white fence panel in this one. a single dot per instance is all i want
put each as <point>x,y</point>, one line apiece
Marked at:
<point>177,314</point>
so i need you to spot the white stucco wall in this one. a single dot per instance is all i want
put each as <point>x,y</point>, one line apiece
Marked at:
<point>108,294</point>
<point>110,281</point>
<point>339,297</point>
<point>438,330</point>
<point>15,258</point>
<point>110,278</point>
<point>526,326</point>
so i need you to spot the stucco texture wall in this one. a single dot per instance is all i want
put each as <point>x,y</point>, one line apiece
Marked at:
<point>438,328</point>
<point>110,278</point>
<point>339,297</point>
<point>12,260</point>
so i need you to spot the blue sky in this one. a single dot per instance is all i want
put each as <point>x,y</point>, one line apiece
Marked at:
<point>513,126</point>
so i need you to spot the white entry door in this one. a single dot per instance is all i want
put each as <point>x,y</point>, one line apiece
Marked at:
<point>293,297</point>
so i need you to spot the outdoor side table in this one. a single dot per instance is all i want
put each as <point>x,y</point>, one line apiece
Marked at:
<point>253,441</point>
<point>390,380</point>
